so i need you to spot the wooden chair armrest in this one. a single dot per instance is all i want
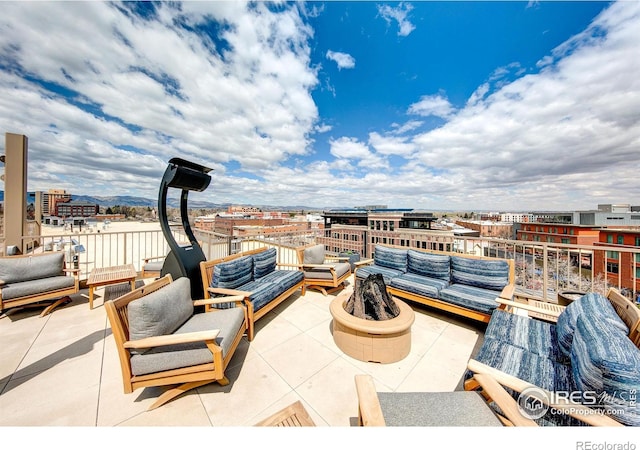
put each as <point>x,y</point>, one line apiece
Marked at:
<point>72,271</point>
<point>151,258</point>
<point>528,307</point>
<point>319,266</point>
<point>575,410</point>
<point>369,410</point>
<point>508,292</point>
<point>505,402</point>
<point>217,300</point>
<point>298,266</point>
<point>226,291</point>
<point>363,262</point>
<point>172,339</point>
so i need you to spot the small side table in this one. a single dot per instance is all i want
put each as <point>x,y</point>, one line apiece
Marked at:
<point>102,276</point>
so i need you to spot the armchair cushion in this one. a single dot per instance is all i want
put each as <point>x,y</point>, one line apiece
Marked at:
<point>438,409</point>
<point>168,357</point>
<point>160,312</point>
<point>324,273</point>
<point>31,267</point>
<point>264,263</point>
<point>314,254</point>
<point>232,274</point>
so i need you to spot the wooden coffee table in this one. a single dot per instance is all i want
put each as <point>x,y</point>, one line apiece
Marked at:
<point>102,276</point>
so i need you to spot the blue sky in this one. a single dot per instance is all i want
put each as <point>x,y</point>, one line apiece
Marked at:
<point>499,105</point>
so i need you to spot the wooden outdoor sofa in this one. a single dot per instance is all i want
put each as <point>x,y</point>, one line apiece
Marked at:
<point>256,275</point>
<point>466,285</point>
<point>31,279</point>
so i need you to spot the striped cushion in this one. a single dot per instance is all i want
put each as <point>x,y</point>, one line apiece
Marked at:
<point>486,274</point>
<point>420,285</point>
<point>536,336</point>
<point>264,262</point>
<point>232,274</point>
<point>266,289</point>
<point>393,258</point>
<point>589,305</point>
<point>605,360</point>
<point>429,264</point>
<point>474,298</point>
<point>387,273</point>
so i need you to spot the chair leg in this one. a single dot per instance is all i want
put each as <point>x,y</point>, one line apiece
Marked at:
<point>54,305</point>
<point>177,391</point>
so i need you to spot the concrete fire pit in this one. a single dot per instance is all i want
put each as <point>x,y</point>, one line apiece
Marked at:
<point>380,341</point>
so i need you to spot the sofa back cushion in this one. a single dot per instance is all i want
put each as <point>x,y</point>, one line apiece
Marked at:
<point>589,305</point>
<point>264,263</point>
<point>233,274</point>
<point>314,254</point>
<point>160,312</point>
<point>393,258</point>
<point>606,364</point>
<point>483,273</point>
<point>26,268</point>
<point>430,265</point>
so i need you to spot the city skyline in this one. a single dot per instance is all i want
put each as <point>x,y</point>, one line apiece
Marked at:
<point>512,106</point>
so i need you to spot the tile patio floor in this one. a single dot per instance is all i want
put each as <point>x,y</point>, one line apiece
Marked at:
<point>63,369</point>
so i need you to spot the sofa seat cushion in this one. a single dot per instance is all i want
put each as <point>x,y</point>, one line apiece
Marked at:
<point>25,268</point>
<point>486,274</point>
<point>325,274</point>
<point>606,361</point>
<point>266,289</point>
<point>232,274</point>
<point>419,285</point>
<point>528,366</point>
<point>429,264</point>
<point>228,321</point>
<point>387,273</point>
<point>33,287</point>
<point>264,262</point>
<point>392,258</point>
<point>589,305</point>
<point>474,298</point>
<point>160,312</point>
<point>536,336</point>
<point>153,266</point>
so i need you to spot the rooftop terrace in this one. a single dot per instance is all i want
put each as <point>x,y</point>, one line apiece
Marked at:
<point>62,371</point>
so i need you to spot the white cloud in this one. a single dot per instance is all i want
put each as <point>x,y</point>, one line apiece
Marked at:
<point>352,149</point>
<point>170,92</point>
<point>343,60</point>
<point>400,15</point>
<point>432,105</point>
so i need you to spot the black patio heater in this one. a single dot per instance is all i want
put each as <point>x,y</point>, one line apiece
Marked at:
<point>183,260</point>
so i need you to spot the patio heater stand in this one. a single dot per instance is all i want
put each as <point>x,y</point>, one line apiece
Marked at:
<point>183,260</point>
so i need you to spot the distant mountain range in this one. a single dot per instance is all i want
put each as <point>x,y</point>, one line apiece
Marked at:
<point>126,200</point>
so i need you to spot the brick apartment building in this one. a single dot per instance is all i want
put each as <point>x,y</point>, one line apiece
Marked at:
<point>619,267</point>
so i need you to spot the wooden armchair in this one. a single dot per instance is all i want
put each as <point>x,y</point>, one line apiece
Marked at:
<point>152,267</point>
<point>161,341</point>
<point>321,271</point>
<point>27,280</point>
